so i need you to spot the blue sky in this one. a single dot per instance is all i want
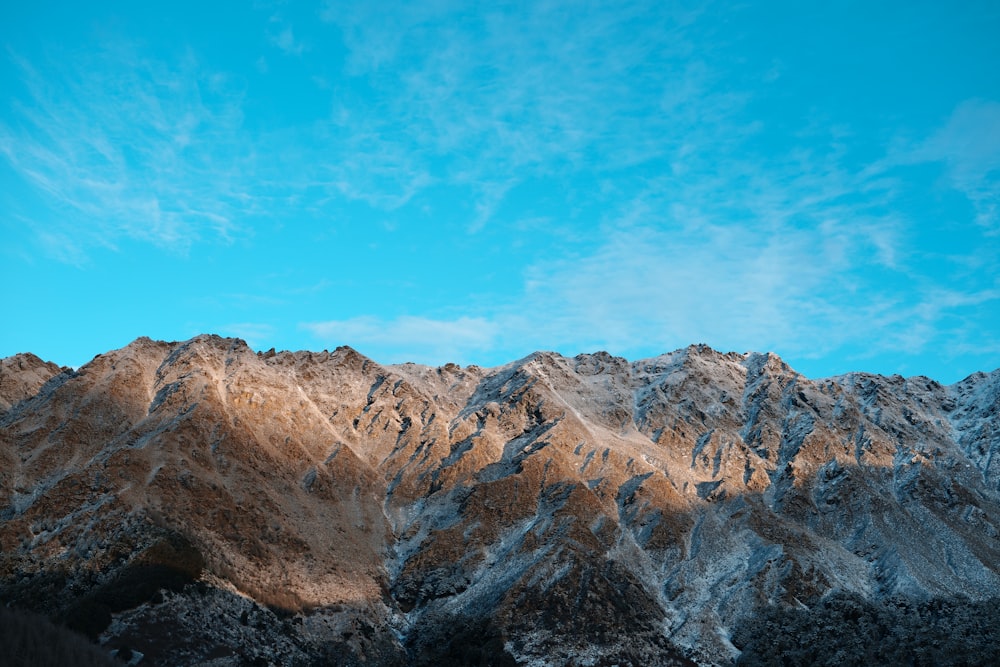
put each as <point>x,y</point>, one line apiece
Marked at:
<point>444,181</point>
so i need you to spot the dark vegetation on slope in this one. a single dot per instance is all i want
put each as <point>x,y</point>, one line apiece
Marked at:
<point>169,563</point>
<point>31,640</point>
<point>475,642</point>
<point>846,629</point>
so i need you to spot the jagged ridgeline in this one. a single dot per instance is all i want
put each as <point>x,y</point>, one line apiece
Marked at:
<point>200,503</point>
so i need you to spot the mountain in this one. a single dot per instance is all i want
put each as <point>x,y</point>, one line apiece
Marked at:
<point>200,503</point>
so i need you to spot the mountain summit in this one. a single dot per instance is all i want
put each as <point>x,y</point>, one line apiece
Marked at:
<point>200,503</point>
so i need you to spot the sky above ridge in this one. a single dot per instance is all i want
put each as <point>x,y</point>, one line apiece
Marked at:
<point>470,182</point>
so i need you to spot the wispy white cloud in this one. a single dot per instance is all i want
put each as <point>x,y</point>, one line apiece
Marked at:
<point>62,248</point>
<point>650,288</point>
<point>969,144</point>
<point>124,146</point>
<point>256,334</point>
<point>279,31</point>
<point>492,99</point>
<point>409,338</point>
<point>285,40</point>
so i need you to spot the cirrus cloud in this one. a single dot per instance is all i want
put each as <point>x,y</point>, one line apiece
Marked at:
<point>409,338</point>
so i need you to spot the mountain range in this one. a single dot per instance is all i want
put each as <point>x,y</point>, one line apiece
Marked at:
<point>197,502</point>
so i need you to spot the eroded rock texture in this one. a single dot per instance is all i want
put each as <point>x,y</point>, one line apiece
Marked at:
<point>199,503</point>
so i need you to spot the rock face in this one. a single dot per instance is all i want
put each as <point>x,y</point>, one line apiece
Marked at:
<point>197,502</point>
<point>22,376</point>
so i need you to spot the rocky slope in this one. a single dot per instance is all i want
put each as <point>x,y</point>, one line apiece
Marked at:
<point>22,376</point>
<point>199,503</point>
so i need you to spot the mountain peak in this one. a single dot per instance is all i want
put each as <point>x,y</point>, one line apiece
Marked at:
<point>22,376</point>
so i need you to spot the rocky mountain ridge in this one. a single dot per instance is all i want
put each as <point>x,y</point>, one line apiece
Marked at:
<point>200,503</point>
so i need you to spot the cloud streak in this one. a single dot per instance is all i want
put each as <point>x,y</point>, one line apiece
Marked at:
<point>969,145</point>
<point>128,147</point>
<point>493,99</point>
<point>410,338</point>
